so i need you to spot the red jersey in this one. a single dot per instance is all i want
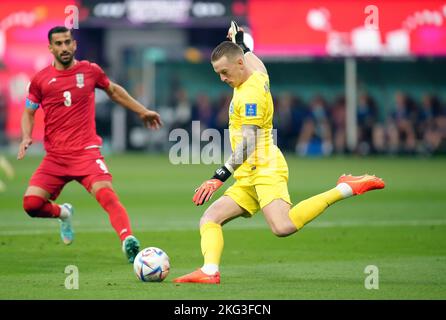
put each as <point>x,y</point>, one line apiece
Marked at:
<point>67,98</point>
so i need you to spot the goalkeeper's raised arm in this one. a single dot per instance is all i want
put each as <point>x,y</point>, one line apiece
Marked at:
<point>236,35</point>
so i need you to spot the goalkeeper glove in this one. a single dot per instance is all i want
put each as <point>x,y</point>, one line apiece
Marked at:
<point>238,36</point>
<point>207,189</point>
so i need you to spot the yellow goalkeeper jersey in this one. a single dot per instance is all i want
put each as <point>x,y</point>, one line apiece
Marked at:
<point>252,104</point>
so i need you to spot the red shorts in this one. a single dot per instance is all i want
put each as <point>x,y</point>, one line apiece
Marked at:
<point>55,171</point>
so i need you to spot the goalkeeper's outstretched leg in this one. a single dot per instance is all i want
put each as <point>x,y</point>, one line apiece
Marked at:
<point>285,221</point>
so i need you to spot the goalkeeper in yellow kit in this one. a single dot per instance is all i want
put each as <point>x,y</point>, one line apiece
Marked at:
<point>258,166</point>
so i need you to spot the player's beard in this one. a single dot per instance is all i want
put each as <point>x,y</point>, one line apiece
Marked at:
<point>65,60</point>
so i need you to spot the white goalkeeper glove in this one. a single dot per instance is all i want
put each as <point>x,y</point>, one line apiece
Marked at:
<point>237,36</point>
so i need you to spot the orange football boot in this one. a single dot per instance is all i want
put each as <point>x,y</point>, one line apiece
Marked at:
<point>362,184</point>
<point>199,276</point>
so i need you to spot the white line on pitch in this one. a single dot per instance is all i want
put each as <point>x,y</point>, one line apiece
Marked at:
<point>188,226</point>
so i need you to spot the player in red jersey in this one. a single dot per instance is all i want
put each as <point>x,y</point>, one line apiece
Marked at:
<point>65,92</point>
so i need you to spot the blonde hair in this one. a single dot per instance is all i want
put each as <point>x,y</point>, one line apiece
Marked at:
<point>228,49</point>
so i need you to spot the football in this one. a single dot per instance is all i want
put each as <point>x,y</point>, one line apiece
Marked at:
<point>151,265</point>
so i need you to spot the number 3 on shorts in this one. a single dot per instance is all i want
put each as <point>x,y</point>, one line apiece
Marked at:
<point>102,165</point>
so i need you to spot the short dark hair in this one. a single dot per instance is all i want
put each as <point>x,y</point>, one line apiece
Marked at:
<point>58,29</point>
<point>226,48</point>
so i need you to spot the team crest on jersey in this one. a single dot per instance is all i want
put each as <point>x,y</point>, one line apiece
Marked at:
<point>80,80</point>
<point>231,107</point>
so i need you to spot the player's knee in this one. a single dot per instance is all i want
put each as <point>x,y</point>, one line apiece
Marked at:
<point>208,218</point>
<point>32,205</point>
<point>281,233</point>
<point>211,215</point>
<point>282,230</point>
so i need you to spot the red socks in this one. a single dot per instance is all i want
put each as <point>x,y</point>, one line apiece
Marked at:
<point>38,207</point>
<point>116,211</point>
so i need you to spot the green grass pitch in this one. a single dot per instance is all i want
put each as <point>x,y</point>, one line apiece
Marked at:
<point>401,230</point>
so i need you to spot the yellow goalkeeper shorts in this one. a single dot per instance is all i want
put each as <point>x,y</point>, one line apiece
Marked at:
<point>253,197</point>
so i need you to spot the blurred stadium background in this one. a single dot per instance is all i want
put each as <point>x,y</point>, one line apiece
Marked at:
<point>340,87</point>
<point>347,97</point>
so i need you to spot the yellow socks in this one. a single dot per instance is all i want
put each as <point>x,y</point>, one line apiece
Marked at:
<point>211,245</point>
<point>308,209</point>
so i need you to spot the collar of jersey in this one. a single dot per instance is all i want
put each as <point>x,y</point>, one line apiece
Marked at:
<point>76,63</point>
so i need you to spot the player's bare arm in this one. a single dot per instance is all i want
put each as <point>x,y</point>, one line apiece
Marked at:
<point>244,149</point>
<point>241,152</point>
<point>255,63</point>
<point>119,95</point>
<point>235,34</point>
<point>27,129</point>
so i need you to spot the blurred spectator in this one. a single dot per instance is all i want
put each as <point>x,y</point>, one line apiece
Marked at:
<point>367,117</point>
<point>440,125</point>
<point>315,137</point>
<point>288,119</point>
<point>203,111</point>
<point>431,124</point>
<point>182,110</point>
<point>338,121</point>
<point>223,105</point>
<point>402,129</point>
<point>398,132</point>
